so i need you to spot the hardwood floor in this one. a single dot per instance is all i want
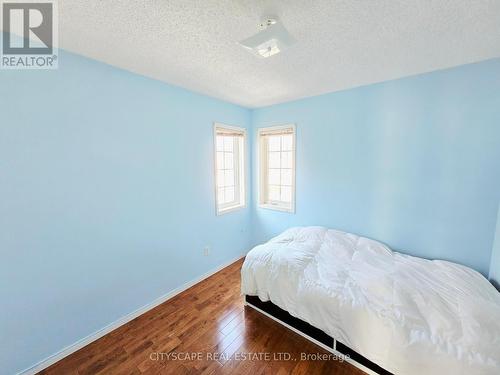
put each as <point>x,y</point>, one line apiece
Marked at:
<point>204,330</point>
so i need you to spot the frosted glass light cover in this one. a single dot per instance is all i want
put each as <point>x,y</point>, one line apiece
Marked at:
<point>270,41</point>
<point>268,48</point>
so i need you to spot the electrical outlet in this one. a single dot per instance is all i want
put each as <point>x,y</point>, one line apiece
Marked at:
<point>206,251</point>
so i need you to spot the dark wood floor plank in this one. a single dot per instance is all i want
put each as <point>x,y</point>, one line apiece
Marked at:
<point>209,318</point>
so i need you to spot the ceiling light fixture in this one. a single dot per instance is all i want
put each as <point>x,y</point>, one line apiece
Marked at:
<point>273,38</point>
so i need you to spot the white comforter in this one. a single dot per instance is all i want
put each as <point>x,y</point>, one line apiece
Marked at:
<point>407,314</point>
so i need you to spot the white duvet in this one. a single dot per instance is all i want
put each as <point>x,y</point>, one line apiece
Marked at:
<point>407,314</point>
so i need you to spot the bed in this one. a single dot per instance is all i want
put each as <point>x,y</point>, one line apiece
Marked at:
<point>398,313</point>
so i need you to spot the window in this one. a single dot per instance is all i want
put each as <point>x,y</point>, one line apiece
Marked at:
<point>229,168</point>
<point>277,168</point>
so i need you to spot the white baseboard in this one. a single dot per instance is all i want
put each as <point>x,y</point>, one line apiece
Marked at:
<point>118,323</point>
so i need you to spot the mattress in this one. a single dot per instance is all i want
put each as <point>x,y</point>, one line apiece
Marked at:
<point>408,315</point>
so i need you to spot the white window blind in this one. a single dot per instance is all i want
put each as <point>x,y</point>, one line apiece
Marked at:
<point>229,167</point>
<point>277,168</point>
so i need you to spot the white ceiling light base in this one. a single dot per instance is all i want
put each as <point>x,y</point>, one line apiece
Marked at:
<point>273,39</point>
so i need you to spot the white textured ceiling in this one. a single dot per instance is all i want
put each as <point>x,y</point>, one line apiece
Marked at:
<point>341,43</point>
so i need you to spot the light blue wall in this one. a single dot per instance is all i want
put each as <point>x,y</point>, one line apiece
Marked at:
<point>495,256</point>
<point>414,163</point>
<point>106,200</point>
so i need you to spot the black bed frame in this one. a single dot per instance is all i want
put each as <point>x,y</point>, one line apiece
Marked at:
<point>312,332</point>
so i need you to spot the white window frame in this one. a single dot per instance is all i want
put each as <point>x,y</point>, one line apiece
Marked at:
<point>239,169</point>
<point>263,164</point>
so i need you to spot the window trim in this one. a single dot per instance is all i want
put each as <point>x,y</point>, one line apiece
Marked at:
<point>242,168</point>
<point>262,159</point>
